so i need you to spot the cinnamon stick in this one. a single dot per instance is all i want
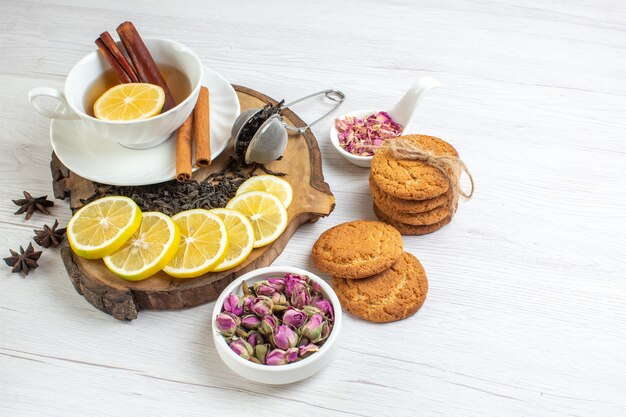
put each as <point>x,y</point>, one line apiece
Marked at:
<point>202,129</point>
<point>183,150</point>
<point>143,62</point>
<point>116,58</point>
<point>119,70</point>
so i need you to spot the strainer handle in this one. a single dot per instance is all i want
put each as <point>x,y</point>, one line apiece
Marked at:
<point>334,95</point>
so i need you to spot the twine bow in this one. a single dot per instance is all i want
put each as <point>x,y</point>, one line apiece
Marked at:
<point>452,167</point>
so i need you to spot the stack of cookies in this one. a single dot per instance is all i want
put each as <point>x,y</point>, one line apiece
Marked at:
<point>411,195</point>
<point>373,277</point>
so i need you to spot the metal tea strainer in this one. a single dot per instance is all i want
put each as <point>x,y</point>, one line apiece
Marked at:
<point>268,131</point>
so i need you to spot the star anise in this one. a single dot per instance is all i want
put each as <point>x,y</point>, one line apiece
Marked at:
<point>30,204</point>
<point>49,236</point>
<point>24,261</point>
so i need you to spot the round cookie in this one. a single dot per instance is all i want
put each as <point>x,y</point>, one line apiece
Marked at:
<point>389,203</point>
<point>391,295</point>
<point>357,249</point>
<point>419,219</point>
<point>411,179</point>
<point>408,229</point>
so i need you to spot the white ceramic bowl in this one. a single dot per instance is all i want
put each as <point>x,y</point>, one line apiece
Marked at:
<point>280,374</point>
<point>360,161</point>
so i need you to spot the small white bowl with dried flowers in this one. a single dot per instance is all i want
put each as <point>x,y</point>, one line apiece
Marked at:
<point>358,134</point>
<point>277,325</point>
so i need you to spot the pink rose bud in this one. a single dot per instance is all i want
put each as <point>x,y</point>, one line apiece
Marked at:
<point>242,348</point>
<point>311,310</point>
<point>255,338</point>
<point>232,305</point>
<point>277,283</point>
<point>294,317</point>
<point>260,351</point>
<point>308,350</point>
<point>276,357</point>
<point>227,324</point>
<point>291,282</point>
<point>247,302</point>
<point>284,338</point>
<point>292,354</point>
<point>262,288</point>
<point>251,322</point>
<point>262,306</point>
<point>325,307</point>
<point>268,324</point>
<point>316,287</point>
<point>314,328</point>
<point>300,295</point>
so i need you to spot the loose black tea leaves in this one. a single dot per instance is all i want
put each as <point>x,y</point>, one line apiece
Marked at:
<point>173,197</point>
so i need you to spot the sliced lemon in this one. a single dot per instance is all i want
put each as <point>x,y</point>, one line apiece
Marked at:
<point>270,184</point>
<point>148,250</point>
<point>203,243</point>
<point>240,238</point>
<point>266,213</point>
<point>103,226</point>
<point>133,101</point>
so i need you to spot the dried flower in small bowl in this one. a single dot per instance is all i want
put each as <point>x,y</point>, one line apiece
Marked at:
<point>288,310</point>
<point>362,136</point>
<point>277,325</point>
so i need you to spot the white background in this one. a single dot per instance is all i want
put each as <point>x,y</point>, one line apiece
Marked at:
<point>526,310</point>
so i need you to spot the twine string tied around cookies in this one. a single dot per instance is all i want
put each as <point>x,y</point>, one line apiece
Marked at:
<point>452,167</point>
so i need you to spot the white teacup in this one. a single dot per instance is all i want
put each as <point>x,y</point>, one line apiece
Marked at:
<point>139,134</point>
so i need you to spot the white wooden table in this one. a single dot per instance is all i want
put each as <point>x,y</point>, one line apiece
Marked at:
<point>526,313</point>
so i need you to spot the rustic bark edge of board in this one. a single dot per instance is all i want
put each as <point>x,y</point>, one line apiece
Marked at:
<point>124,303</point>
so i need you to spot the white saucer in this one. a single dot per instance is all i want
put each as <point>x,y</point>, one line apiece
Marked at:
<point>106,162</point>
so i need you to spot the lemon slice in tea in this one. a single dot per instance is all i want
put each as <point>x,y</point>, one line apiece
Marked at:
<point>132,101</point>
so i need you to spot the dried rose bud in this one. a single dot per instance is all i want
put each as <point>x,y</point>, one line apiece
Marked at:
<point>277,283</point>
<point>294,317</point>
<point>250,322</point>
<point>226,324</point>
<point>316,288</point>
<point>276,357</point>
<point>308,350</point>
<point>303,341</point>
<point>262,288</point>
<point>311,310</point>
<point>268,324</point>
<point>255,338</point>
<point>260,351</point>
<point>326,328</point>
<point>284,338</point>
<point>292,354</point>
<point>315,328</point>
<point>242,348</point>
<point>262,306</point>
<point>292,282</point>
<point>247,302</point>
<point>325,307</point>
<point>233,305</point>
<point>300,295</point>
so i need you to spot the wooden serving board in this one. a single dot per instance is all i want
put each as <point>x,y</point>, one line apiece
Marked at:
<point>123,299</point>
